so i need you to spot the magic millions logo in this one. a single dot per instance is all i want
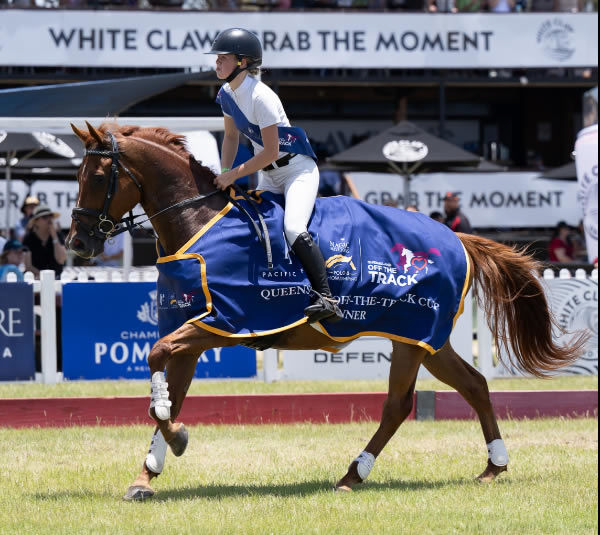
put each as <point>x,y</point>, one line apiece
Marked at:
<point>148,312</point>
<point>575,307</point>
<point>556,39</point>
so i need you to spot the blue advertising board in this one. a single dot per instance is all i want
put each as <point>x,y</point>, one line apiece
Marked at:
<point>17,342</point>
<point>109,328</point>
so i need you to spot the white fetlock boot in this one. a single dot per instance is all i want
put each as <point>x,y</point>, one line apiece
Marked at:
<point>155,460</point>
<point>497,453</point>
<point>366,461</point>
<point>160,397</point>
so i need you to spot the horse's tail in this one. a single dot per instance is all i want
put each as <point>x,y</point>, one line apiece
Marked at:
<point>517,311</point>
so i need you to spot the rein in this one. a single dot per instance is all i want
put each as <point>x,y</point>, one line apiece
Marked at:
<point>105,227</point>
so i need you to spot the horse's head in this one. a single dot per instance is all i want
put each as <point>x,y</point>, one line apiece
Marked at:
<point>107,190</point>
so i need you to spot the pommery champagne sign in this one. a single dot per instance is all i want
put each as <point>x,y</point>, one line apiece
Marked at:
<point>313,40</point>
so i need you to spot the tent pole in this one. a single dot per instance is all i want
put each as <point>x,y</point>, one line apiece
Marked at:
<point>7,175</point>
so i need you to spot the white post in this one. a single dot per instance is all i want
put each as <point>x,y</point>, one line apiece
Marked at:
<point>270,365</point>
<point>462,334</point>
<point>48,306</point>
<point>127,255</point>
<point>484,341</point>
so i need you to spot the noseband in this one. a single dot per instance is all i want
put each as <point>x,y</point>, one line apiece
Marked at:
<point>105,226</point>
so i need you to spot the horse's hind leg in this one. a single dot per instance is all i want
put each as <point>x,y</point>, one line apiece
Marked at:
<point>447,366</point>
<point>406,360</point>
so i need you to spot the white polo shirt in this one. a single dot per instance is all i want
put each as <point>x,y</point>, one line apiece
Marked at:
<point>260,104</point>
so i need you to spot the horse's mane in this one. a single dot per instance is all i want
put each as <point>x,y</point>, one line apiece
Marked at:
<point>162,136</point>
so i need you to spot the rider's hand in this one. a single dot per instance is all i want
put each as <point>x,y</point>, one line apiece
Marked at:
<point>224,180</point>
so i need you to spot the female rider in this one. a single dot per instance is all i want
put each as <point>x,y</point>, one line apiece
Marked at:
<point>282,152</point>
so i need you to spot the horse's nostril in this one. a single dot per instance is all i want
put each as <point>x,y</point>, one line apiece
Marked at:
<point>76,244</point>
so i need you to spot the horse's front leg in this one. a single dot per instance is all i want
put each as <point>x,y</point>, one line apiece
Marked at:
<point>178,353</point>
<point>447,366</point>
<point>406,360</point>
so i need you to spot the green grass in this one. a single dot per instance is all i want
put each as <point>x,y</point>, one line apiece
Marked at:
<point>258,480</point>
<point>141,388</point>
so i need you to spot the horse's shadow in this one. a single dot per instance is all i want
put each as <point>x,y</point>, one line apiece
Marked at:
<point>305,488</point>
<point>295,489</point>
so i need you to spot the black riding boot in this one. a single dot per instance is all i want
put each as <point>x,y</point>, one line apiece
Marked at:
<point>325,306</point>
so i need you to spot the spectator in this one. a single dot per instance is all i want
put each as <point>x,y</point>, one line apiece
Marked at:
<point>29,205</point>
<point>113,252</point>
<point>45,241</point>
<point>470,6</point>
<point>455,219</point>
<point>560,249</point>
<point>15,258</point>
<point>501,6</point>
<point>577,240</point>
<point>437,216</point>
<point>441,6</point>
<point>2,241</point>
<point>412,208</point>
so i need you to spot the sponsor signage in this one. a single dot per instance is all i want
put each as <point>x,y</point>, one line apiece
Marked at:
<point>574,303</point>
<point>109,328</point>
<point>487,199</point>
<point>17,346</point>
<point>310,40</point>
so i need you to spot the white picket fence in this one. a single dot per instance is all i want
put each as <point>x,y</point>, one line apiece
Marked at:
<point>297,364</point>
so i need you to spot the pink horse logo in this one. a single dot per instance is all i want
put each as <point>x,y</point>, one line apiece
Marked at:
<point>418,260</point>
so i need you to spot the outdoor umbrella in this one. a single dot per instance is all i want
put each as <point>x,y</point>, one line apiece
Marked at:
<point>564,172</point>
<point>407,148</point>
<point>19,147</point>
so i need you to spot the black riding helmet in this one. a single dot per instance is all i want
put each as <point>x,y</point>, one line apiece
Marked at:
<point>241,43</point>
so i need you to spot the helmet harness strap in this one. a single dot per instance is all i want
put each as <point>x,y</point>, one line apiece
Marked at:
<point>238,69</point>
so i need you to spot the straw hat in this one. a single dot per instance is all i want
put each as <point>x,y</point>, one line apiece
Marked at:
<point>42,211</point>
<point>30,200</point>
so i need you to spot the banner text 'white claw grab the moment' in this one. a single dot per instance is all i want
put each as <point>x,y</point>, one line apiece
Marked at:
<point>306,40</point>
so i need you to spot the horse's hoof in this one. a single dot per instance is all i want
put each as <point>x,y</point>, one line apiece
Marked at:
<point>138,493</point>
<point>491,472</point>
<point>342,488</point>
<point>179,441</point>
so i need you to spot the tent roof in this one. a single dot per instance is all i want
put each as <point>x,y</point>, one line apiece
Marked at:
<point>564,172</point>
<point>100,98</point>
<point>368,155</point>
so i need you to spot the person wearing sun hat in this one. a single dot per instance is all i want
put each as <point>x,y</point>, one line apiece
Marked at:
<point>14,258</point>
<point>27,208</point>
<point>45,241</point>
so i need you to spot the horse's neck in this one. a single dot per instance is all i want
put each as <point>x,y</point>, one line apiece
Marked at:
<point>172,184</point>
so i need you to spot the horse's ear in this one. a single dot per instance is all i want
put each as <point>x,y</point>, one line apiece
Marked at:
<point>81,135</point>
<point>94,133</point>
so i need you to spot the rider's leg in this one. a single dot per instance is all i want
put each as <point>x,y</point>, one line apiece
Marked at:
<point>300,193</point>
<point>447,366</point>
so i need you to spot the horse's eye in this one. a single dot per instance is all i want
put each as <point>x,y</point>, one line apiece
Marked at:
<point>98,177</point>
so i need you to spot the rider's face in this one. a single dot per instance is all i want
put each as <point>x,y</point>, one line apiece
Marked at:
<point>225,65</point>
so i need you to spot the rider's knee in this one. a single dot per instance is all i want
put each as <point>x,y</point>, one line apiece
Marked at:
<point>293,230</point>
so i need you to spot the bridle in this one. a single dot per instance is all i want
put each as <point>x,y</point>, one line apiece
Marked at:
<point>104,226</point>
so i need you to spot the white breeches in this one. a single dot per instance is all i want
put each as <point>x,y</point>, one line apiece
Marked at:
<point>299,183</point>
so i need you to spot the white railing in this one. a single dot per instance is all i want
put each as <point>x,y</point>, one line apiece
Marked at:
<point>48,288</point>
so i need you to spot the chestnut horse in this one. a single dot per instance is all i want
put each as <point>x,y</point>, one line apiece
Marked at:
<point>127,165</point>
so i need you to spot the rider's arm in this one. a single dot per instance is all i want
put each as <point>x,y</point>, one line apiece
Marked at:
<point>270,138</point>
<point>231,140</point>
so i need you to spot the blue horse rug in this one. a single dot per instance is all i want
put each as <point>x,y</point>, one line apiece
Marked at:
<point>397,274</point>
